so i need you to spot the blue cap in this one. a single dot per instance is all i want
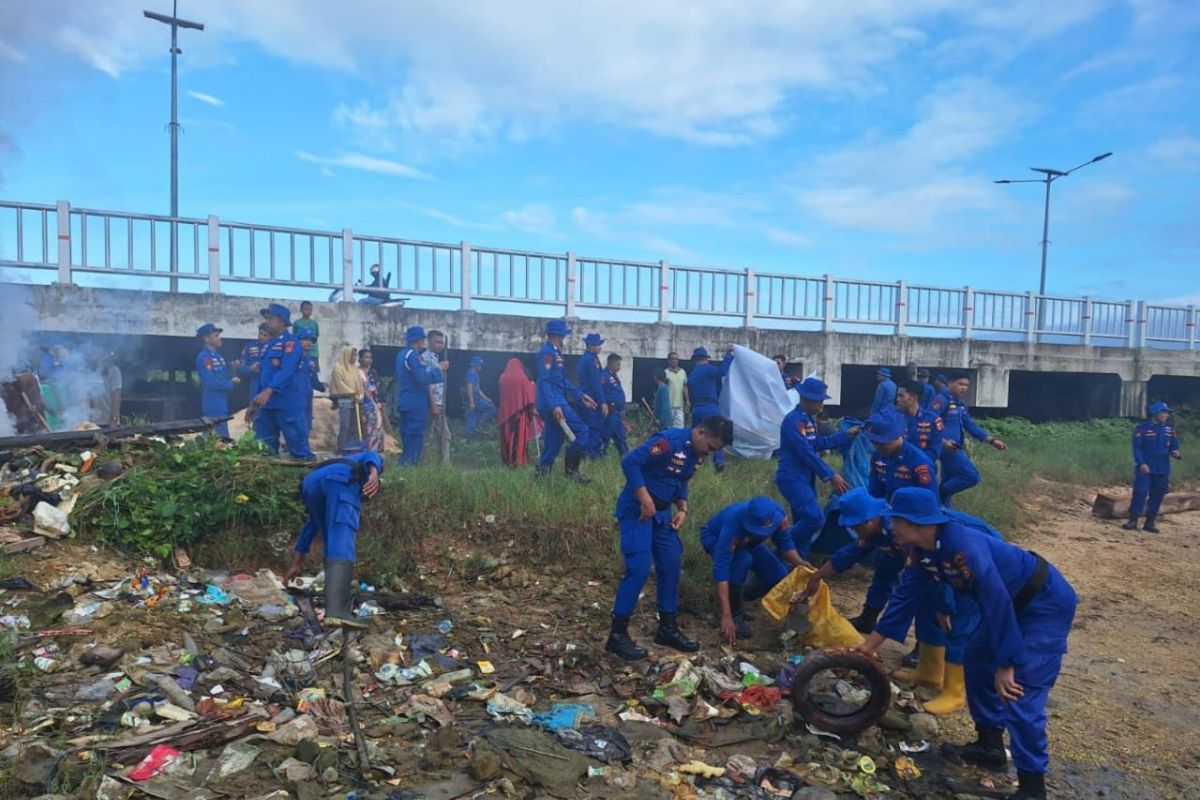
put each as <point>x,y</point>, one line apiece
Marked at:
<point>858,506</point>
<point>922,373</point>
<point>813,389</point>
<point>917,505</point>
<point>307,333</point>
<point>885,426</point>
<point>940,377</point>
<point>207,328</point>
<point>884,371</point>
<point>593,338</point>
<point>475,361</point>
<point>1158,408</point>
<point>762,516</point>
<point>278,310</point>
<point>558,327</point>
<point>414,333</point>
<point>700,352</point>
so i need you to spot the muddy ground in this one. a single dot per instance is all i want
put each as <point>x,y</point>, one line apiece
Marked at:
<point>1125,717</point>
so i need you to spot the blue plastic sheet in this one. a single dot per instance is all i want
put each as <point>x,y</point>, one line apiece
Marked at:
<point>563,715</point>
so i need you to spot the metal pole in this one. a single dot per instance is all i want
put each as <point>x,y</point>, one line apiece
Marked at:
<point>175,149</point>
<point>1045,235</point>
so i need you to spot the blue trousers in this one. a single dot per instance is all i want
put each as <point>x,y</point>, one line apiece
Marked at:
<point>596,424</point>
<point>644,542</point>
<point>1044,624</point>
<point>412,432</point>
<point>614,431</point>
<point>701,413</point>
<point>553,436</point>
<point>768,569</point>
<point>887,569</point>
<point>807,516</point>
<point>214,404</point>
<point>483,413</point>
<point>958,474</point>
<point>1154,487</point>
<point>269,423</point>
<point>333,508</point>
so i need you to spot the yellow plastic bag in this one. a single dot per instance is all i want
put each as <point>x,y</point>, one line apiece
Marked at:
<point>829,628</point>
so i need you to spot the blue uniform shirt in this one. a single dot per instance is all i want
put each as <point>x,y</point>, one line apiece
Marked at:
<point>213,372</point>
<point>704,383</point>
<point>413,379</point>
<point>858,551</point>
<point>472,385</point>
<point>928,393</point>
<point>350,497</point>
<point>725,533</point>
<point>589,373</point>
<point>909,467</point>
<point>1153,443</point>
<point>48,366</point>
<point>663,464</point>
<point>311,374</point>
<point>280,372</point>
<point>614,393</point>
<point>553,388</point>
<point>925,430</point>
<point>885,396</point>
<point>251,354</point>
<point>956,419</point>
<point>800,448</point>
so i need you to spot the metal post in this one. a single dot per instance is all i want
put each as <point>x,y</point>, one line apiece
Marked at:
<point>175,156</point>
<point>901,307</point>
<point>1131,323</point>
<point>571,284</point>
<point>1087,321</point>
<point>1045,237</point>
<point>664,291</point>
<point>1031,305</point>
<point>465,257</point>
<point>751,293</point>
<point>827,326</point>
<point>1191,327</point>
<point>214,255</point>
<point>1142,314</point>
<point>968,312</point>
<point>347,266</point>
<point>64,242</point>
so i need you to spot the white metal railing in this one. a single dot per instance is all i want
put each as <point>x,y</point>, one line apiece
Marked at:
<point>62,240</point>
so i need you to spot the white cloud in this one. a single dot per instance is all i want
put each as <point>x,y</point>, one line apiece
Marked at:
<point>590,222</point>
<point>1178,153</point>
<point>786,237</point>
<point>208,99</point>
<point>365,163</point>
<point>10,53</point>
<point>451,219</point>
<point>536,218</point>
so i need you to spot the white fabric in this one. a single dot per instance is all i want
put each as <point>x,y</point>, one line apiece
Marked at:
<point>755,399</point>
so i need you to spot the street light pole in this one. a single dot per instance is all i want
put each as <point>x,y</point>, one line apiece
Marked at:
<point>1045,237</point>
<point>176,23</point>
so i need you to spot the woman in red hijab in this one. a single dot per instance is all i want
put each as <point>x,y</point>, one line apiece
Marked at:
<point>516,417</point>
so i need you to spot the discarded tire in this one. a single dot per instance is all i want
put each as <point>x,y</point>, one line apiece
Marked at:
<point>856,721</point>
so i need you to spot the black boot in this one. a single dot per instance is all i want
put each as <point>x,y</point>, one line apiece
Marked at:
<point>571,463</point>
<point>739,612</point>
<point>1131,525</point>
<point>339,590</point>
<point>987,751</point>
<point>1150,527</point>
<point>1030,786</point>
<point>865,622</point>
<point>619,642</point>
<point>542,471</point>
<point>669,635</point>
<point>912,659</point>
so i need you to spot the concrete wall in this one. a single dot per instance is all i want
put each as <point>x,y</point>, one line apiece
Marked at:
<point>77,309</point>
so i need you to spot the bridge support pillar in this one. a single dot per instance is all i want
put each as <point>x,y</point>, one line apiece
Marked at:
<point>830,366</point>
<point>464,328</point>
<point>991,387</point>
<point>1133,398</point>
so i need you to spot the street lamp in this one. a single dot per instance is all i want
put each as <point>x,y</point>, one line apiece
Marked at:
<point>176,23</point>
<point>1051,175</point>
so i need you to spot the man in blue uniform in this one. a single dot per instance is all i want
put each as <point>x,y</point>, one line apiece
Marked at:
<point>1014,655</point>
<point>928,392</point>
<point>614,397</point>
<point>790,381</point>
<point>279,405</point>
<point>924,428</point>
<point>885,390</point>
<point>656,478</point>
<point>413,379</point>
<point>590,376</point>
<point>332,495</point>
<point>215,381</point>
<point>958,473</point>
<point>480,408</point>
<point>736,538</point>
<point>897,463</point>
<point>704,389</point>
<point>249,361</point>
<point>1154,445</point>
<point>310,373</point>
<point>800,463</point>
<point>554,397</point>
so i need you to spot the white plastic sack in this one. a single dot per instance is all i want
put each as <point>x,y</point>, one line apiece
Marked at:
<point>755,399</point>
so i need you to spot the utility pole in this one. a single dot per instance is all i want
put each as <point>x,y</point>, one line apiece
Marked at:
<point>176,23</point>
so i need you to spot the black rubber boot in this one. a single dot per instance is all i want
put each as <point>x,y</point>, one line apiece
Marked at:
<point>1030,786</point>
<point>339,588</point>
<point>865,622</point>
<point>669,635</point>
<point>1131,525</point>
<point>987,751</point>
<point>619,642</point>
<point>739,612</point>
<point>542,471</point>
<point>912,659</point>
<point>571,463</point>
<point>1150,527</point>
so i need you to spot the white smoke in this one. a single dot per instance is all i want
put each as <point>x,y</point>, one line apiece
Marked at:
<point>18,320</point>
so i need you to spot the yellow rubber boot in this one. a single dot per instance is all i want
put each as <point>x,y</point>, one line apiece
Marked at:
<point>931,667</point>
<point>954,693</point>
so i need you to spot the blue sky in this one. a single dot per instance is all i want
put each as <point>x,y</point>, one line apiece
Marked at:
<point>789,137</point>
